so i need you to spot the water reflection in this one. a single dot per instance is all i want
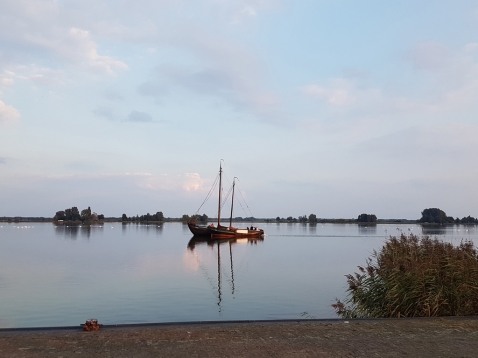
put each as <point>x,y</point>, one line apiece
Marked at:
<point>72,231</point>
<point>69,232</point>
<point>369,229</point>
<point>312,228</point>
<point>433,230</point>
<point>196,241</point>
<point>140,228</point>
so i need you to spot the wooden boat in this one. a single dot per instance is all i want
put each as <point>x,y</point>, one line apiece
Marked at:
<point>199,230</point>
<point>224,232</point>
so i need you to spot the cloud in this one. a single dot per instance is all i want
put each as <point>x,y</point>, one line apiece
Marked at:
<point>339,96</point>
<point>136,116</point>
<point>105,112</point>
<point>38,75</point>
<point>419,152</point>
<point>188,182</point>
<point>82,49</point>
<point>430,56</point>
<point>7,78</point>
<point>112,95</point>
<point>343,93</point>
<point>444,83</point>
<point>8,114</point>
<point>152,89</point>
<point>42,28</point>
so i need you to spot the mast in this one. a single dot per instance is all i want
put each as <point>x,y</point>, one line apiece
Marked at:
<point>232,202</point>
<point>220,189</point>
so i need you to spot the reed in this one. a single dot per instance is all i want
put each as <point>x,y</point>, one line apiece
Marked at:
<point>414,277</point>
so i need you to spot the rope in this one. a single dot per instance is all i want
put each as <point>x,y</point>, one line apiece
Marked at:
<point>240,192</point>
<point>226,197</point>
<point>210,193</point>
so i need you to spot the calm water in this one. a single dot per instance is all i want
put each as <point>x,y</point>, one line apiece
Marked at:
<point>117,273</point>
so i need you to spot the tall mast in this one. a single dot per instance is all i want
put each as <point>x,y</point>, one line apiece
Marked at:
<point>232,202</point>
<point>220,189</point>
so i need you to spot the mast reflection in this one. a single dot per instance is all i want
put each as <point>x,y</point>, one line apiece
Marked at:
<point>196,240</point>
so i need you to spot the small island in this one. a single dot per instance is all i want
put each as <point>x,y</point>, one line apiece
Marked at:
<point>73,216</point>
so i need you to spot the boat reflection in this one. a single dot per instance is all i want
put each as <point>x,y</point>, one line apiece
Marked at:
<point>198,240</point>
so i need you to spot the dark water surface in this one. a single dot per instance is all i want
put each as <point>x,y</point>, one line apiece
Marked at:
<point>60,276</point>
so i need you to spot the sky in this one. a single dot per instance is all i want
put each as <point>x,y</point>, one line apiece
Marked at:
<point>335,108</point>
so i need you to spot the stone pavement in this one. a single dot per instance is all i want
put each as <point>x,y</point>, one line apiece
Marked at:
<point>422,337</point>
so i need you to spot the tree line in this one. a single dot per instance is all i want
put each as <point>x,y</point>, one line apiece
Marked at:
<point>144,218</point>
<point>197,218</point>
<point>438,216</point>
<point>74,215</point>
<point>429,215</point>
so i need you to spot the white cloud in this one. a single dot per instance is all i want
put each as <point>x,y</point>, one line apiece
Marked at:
<point>39,26</point>
<point>188,182</point>
<point>342,93</point>
<point>7,79</point>
<point>339,97</point>
<point>8,114</point>
<point>39,75</point>
<point>447,81</point>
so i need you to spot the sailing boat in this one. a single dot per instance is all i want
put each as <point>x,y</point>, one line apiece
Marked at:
<point>224,232</point>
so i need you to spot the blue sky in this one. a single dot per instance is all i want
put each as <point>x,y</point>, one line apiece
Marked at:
<point>327,107</point>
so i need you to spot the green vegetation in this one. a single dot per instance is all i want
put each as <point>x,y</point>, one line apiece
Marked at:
<point>73,216</point>
<point>435,216</point>
<point>158,217</point>
<point>413,277</point>
<point>366,218</point>
<point>197,218</point>
<point>466,220</point>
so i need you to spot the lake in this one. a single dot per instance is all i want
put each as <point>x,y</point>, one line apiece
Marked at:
<point>61,276</point>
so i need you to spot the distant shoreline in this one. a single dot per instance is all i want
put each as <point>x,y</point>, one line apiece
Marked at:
<point>29,219</point>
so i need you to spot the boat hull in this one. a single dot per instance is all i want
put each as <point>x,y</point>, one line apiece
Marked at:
<point>235,233</point>
<point>199,230</point>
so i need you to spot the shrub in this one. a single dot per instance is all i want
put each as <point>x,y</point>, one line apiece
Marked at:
<point>414,277</point>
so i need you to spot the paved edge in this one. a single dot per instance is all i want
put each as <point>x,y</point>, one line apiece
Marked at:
<point>227,323</point>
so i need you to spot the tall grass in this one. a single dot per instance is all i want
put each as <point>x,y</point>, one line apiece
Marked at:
<point>414,277</point>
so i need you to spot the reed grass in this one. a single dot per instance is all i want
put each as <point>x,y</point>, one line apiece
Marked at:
<point>414,277</point>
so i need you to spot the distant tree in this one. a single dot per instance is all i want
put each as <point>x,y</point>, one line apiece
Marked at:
<point>86,214</point>
<point>303,219</point>
<point>290,218</point>
<point>160,216</point>
<point>101,217</point>
<point>203,218</point>
<point>124,218</point>
<point>312,219</point>
<point>75,213</point>
<point>60,215</point>
<point>185,218</point>
<point>366,218</point>
<point>435,216</point>
<point>469,220</point>
<point>278,219</point>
